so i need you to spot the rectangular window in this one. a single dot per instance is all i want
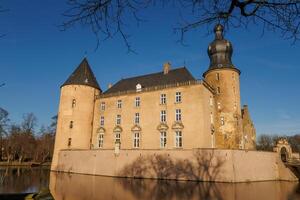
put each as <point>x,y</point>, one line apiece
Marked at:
<point>118,120</point>
<point>178,97</point>
<point>218,90</point>
<point>217,76</point>
<point>102,107</point>
<point>71,124</point>
<point>119,103</point>
<point>137,102</point>
<point>178,115</point>
<point>101,140</point>
<point>163,139</point>
<point>163,116</point>
<point>118,138</point>
<point>69,142</point>
<point>136,140</point>
<point>222,121</point>
<point>73,103</point>
<point>163,99</point>
<point>102,121</point>
<point>178,139</point>
<point>137,118</point>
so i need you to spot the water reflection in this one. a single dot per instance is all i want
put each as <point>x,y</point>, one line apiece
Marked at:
<point>73,186</point>
<point>23,179</point>
<point>65,186</point>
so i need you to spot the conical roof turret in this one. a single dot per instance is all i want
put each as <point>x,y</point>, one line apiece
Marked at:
<point>83,75</point>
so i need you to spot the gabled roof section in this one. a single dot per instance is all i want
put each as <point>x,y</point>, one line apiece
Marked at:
<point>83,75</point>
<point>172,77</point>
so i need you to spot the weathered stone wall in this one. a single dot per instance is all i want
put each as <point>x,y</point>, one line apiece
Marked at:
<point>226,83</point>
<point>197,164</point>
<point>249,132</point>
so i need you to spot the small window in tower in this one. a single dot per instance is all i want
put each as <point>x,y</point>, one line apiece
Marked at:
<point>210,101</point>
<point>71,124</point>
<point>69,142</point>
<point>222,121</point>
<point>73,103</point>
<point>217,76</point>
<point>102,107</point>
<point>102,121</point>
<point>218,90</point>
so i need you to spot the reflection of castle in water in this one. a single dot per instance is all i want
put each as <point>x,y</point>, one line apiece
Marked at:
<point>77,187</point>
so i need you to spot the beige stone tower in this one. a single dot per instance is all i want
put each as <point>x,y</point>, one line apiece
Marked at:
<point>76,111</point>
<point>224,78</point>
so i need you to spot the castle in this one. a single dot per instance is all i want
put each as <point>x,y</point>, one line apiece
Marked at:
<point>160,111</point>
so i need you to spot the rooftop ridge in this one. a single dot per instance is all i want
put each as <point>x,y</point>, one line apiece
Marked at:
<point>145,75</point>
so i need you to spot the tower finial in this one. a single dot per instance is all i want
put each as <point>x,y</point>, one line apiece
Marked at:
<point>219,31</point>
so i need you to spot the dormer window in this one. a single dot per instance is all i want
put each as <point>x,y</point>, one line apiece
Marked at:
<point>138,87</point>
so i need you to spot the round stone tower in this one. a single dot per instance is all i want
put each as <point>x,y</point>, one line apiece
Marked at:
<point>224,78</point>
<point>76,111</point>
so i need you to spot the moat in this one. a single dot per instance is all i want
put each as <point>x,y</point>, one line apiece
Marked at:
<point>74,186</point>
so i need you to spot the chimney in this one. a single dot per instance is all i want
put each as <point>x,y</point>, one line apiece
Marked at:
<point>109,85</point>
<point>167,68</point>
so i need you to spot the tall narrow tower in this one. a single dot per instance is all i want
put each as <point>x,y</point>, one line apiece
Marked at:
<point>224,78</point>
<point>76,111</point>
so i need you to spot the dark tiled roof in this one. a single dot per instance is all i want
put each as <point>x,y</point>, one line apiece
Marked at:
<point>83,75</point>
<point>174,76</point>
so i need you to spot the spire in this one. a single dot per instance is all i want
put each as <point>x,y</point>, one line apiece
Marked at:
<point>83,75</point>
<point>220,50</point>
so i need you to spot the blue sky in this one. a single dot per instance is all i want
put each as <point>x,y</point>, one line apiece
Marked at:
<point>36,58</point>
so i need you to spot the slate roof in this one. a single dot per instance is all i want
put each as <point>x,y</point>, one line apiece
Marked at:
<point>174,76</point>
<point>83,75</point>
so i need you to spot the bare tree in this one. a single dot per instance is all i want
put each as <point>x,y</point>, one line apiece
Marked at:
<point>106,18</point>
<point>3,128</point>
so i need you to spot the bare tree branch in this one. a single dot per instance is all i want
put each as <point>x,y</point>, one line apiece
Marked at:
<point>108,18</point>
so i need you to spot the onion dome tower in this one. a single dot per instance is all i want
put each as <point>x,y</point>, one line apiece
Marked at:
<point>224,77</point>
<point>76,111</point>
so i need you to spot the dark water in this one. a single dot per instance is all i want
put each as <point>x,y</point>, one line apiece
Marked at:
<point>73,186</point>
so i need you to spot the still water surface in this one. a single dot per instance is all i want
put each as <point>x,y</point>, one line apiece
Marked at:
<point>73,186</point>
